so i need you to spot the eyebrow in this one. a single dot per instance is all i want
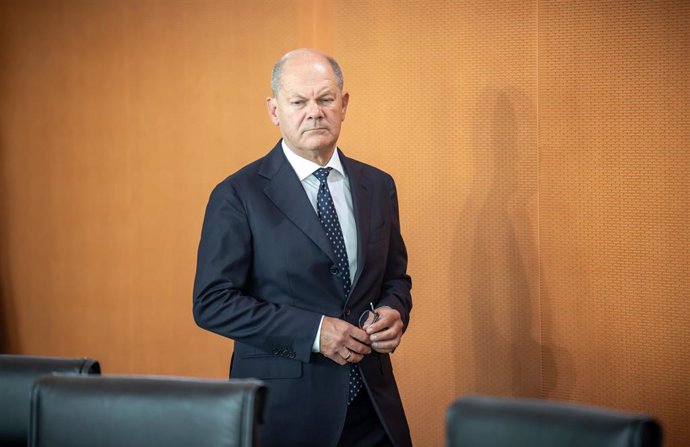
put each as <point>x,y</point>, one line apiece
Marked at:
<point>320,93</point>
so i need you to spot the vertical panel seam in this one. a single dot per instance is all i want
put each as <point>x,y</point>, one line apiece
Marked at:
<point>538,179</point>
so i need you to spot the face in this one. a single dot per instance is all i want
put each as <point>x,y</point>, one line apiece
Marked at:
<point>309,108</point>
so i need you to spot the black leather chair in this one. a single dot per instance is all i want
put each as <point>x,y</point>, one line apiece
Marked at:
<point>17,375</point>
<point>478,421</point>
<point>144,411</point>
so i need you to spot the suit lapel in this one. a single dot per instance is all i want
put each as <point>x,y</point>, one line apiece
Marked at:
<point>287,193</point>
<point>361,208</point>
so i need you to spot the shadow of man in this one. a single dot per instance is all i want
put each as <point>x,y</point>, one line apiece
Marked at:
<point>497,241</point>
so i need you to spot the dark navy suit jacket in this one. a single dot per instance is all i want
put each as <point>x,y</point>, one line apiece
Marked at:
<point>266,274</point>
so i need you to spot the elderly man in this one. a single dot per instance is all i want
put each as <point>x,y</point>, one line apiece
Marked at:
<point>301,262</point>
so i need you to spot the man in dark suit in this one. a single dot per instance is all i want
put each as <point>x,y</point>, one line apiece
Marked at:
<point>301,262</point>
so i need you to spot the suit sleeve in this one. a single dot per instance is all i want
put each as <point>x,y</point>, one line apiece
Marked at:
<point>395,290</point>
<point>221,304</point>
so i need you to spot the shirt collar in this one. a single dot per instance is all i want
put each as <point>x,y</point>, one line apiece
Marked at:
<point>304,168</point>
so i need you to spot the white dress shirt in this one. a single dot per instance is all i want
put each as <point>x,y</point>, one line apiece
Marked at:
<point>339,186</point>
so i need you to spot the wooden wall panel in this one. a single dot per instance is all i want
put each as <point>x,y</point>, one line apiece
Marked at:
<point>444,98</point>
<point>613,137</point>
<point>117,120</point>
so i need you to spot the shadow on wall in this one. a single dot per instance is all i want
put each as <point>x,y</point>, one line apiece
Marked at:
<point>7,313</point>
<point>8,336</point>
<point>497,248</point>
<point>7,320</point>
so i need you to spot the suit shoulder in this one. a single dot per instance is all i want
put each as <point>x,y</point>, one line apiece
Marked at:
<point>372,172</point>
<point>369,169</point>
<point>242,175</point>
<point>251,174</point>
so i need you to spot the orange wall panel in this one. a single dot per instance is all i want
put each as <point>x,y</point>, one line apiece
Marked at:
<point>444,98</point>
<point>613,138</point>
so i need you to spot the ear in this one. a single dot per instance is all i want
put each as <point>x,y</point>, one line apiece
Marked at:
<point>345,100</point>
<point>272,108</point>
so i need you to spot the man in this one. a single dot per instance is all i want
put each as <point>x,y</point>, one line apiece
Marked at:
<point>297,250</point>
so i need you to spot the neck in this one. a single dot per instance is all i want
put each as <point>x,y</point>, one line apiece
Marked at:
<point>318,156</point>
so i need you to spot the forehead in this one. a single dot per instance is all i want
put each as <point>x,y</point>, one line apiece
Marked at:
<point>312,74</point>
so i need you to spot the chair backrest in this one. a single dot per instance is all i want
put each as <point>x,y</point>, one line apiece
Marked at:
<point>478,421</point>
<point>138,411</point>
<point>17,375</point>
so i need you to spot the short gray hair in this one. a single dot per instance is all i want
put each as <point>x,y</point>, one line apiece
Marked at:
<point>277,73</point>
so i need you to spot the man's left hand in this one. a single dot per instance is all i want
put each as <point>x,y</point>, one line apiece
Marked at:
<point>386,332</point>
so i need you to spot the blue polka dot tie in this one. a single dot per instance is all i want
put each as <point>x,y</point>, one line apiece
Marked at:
<point>329,220</point>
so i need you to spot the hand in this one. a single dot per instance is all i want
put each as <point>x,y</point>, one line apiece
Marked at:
<point>342,342</point>
<point>386,332</point>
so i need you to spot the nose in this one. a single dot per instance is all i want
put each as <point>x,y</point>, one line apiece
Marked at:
<point>314,110</point>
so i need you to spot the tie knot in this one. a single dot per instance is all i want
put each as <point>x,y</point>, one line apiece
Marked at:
<point>322,174</point>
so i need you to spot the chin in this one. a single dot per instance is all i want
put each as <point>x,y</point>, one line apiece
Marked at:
<point>320,146</point>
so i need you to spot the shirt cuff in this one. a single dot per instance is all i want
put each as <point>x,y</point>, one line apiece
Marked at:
<point>316,346</point>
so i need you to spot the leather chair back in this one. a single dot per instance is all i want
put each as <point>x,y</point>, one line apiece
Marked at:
<point>498,422</point>
<point>17,375</point>
<point>144,411</point>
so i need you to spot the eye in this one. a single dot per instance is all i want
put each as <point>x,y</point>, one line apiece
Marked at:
<point>327,100</point>
<point>297,102</point>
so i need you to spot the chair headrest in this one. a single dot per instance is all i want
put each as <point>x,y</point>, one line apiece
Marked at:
<point>132,411</point>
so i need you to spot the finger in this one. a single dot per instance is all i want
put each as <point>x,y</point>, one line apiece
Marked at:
<point>387,319</point>
<point>360,335</point>
<point>358,348</point>
<point>386,334</point>
<point>355,358</point>
<point>386,346</point>
<point>337,358</point>
<point>336,334</point>
<point>350,357</point>
<point>377,333</point>
<point>378,326</point>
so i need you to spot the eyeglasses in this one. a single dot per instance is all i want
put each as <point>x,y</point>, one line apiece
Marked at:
<point>369,316</point>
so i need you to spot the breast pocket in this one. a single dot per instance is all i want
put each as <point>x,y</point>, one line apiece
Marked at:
<point>379,231</point>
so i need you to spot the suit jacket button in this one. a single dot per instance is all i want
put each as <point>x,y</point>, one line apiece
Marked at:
<point>347,312</point>
<point>334,270</point>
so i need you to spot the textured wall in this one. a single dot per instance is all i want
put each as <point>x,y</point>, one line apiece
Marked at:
<point>445,98</point>
<point>614,184</point>
<point>540,150</point>
<point>117,119</point>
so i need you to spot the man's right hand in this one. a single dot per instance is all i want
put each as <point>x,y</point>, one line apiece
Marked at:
<point>342,342</point>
